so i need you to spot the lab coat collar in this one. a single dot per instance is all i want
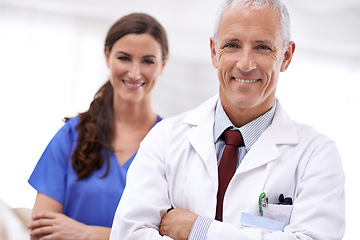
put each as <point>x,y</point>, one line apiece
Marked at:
<point>265,149</point>
<point>204,113</point>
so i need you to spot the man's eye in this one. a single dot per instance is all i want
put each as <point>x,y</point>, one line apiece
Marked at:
<point>263,47</point>
<point>231,45</point>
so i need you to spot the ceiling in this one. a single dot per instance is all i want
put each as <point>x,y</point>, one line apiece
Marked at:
<point>322,25</point>
<point>171,9</point>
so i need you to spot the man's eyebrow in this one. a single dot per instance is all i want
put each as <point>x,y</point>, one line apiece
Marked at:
<point>233,40</point>
<point>264,42</point>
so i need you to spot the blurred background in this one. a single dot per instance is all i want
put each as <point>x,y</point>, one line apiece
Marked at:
<point>52,63</point>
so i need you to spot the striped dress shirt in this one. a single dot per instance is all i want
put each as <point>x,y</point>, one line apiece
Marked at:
<point>250,133</point>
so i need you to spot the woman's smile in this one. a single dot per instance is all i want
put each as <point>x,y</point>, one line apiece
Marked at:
<point>133,84</point>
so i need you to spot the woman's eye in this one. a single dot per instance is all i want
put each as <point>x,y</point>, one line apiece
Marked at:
<point>124,58</point>
<point>148,61</point>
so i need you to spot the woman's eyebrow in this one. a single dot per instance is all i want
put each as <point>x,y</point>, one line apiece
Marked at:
<point>149,56</point>
<point>124,53</point>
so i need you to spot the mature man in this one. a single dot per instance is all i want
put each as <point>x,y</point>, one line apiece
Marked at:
<point>286,181</point>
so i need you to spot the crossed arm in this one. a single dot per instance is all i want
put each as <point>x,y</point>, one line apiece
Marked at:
<point>48,223</point>
<point>177,224</point>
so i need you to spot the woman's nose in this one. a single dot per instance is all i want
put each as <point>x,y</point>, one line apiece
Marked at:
<point>134,72</point>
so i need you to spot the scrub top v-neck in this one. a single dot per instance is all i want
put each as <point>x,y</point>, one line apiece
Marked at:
<point>92,200</point>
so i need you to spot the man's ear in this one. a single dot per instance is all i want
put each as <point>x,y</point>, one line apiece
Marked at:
<point>287,56</point>
<point>213,52</point>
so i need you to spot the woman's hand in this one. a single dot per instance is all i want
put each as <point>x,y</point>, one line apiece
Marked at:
<point>50,225</point>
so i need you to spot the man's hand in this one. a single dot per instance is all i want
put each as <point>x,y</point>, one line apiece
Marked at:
<point>177,224</point>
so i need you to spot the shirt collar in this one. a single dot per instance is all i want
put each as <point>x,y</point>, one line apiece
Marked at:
<point>250,132</point>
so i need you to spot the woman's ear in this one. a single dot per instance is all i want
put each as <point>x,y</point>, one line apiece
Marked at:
<point>164,63</point>
<point>107,56</point>
<point>287,56</point>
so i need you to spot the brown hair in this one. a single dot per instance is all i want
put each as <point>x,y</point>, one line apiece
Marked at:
<point>138,23</point>
<point>95,127</point>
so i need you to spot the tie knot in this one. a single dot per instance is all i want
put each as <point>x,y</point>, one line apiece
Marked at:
<point>233,138</point>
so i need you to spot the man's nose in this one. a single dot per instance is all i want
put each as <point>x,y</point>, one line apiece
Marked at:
<point>246,61</point>
<point>134,72</point>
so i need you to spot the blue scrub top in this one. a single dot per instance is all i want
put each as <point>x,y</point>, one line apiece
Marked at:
<point>92,200</point>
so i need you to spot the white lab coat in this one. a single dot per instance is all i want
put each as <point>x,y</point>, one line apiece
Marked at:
<point>176,166</point>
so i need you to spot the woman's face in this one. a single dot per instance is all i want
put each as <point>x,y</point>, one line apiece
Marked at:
<point>135,63</point>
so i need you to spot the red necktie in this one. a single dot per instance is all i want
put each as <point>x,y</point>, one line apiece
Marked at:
<point>227,166</point>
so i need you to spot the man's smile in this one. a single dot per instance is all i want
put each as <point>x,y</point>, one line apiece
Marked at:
<point>245,80</point>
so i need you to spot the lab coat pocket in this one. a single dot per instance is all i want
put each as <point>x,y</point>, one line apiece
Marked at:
<point>281,213</point>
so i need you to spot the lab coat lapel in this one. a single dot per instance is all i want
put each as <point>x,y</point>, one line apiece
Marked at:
<point>201,137</point>
<point>262,152</point>
<point>265,150</point>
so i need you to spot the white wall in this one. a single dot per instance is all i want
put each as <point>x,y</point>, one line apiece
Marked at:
<point>52,64</point>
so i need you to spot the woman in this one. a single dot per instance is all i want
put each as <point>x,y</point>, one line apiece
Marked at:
<point>81,174</point>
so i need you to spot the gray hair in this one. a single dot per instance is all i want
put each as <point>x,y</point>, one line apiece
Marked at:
<point>277,5</point>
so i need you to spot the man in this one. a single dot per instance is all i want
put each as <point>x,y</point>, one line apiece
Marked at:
<point>288,182</point>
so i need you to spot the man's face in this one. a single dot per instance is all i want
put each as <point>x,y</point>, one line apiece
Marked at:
<point>249,55</point>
